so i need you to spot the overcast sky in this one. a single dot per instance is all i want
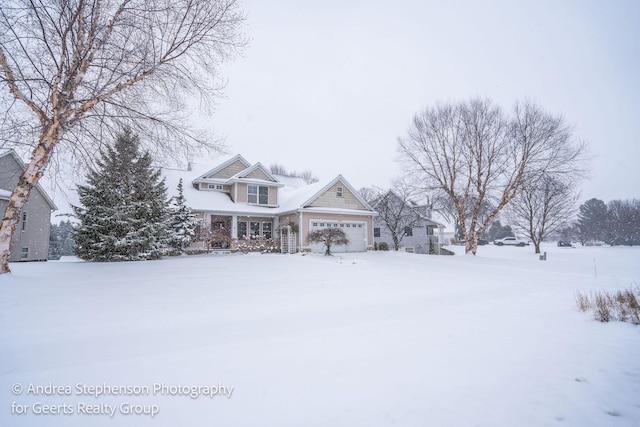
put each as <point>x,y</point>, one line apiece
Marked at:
<point>330,85</point>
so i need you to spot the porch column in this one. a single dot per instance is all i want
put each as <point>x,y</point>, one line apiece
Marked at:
<point>234,227</point>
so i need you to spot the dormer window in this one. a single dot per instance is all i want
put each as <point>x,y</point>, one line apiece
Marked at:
<point>339,191</point>
<point>258,194</point>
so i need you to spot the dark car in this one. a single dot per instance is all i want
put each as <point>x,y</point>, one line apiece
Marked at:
<point>482,242</point>
<point>564,242</point>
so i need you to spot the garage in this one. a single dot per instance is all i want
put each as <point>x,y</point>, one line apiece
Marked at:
<point>354,230</point>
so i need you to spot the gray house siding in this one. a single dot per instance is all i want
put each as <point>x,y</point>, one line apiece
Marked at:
<point>30,241</point>
<point>420,234</point>
<point>418,242</point>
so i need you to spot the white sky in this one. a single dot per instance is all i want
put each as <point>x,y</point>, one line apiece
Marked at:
<point>330,85</point>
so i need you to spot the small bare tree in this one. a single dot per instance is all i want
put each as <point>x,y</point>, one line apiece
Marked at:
<point>329,237</point>
<point>396,212</point>
<point>74,71</point>
<point>475,155</point>
<point>542,207</point>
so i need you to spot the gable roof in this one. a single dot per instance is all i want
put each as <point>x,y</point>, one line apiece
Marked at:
<point>38,187</point>
<point>235,174</point>
<point>209,174</point>
<point>305,196</point>
<point>340,179</point>
<point>255,168</point>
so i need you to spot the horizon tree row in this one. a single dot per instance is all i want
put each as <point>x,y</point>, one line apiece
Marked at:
<point>615,223</point>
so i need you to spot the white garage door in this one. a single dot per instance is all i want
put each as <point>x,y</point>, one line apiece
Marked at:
<point>355,232</point>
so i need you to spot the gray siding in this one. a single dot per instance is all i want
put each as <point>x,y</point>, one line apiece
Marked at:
<point>34,234</point>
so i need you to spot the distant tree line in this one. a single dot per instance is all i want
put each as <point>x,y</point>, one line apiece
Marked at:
<point>306,175</point>
<point>61,240</point>
<point>614,223</point>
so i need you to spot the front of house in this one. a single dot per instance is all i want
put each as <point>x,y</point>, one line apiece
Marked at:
<point>237,200</point>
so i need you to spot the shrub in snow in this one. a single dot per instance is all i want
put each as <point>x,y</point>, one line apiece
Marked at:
<point>382,246</point>
<point>605,306</point>
<point>329,237</point>
<point>258,244</point>
<point>124,213</point>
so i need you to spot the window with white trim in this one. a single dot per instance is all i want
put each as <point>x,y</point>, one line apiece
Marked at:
<point>254,228</point>
<point>23,226</point>
<point>339,191</point>
<point>258,194</point>
<point>24,254</point>
<point>266,230</point>
<point>242,230</point>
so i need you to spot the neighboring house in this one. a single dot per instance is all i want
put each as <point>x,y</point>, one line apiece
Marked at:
<point>417,231</point>
<point>30,241</point>
<point>240,200</point>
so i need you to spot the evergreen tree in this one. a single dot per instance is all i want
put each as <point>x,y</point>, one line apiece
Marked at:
<point>498,231</point>
<point>592,221</point>
<point>623,222</point>
<point>183,222</point>
<point>124,213</point>
<point>61,240</point>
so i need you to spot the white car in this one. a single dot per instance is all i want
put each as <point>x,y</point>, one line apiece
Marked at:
<point>513,241</point>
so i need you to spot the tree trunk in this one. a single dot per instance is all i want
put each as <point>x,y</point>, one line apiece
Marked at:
<point>27,180</point>
<point>396,241</point>
<point>471,245</point>
<point>537,246</point>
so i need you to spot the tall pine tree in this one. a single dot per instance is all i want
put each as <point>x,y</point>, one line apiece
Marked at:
<point>124,214</point>
<point>183,222</point>
<point>592,221</point>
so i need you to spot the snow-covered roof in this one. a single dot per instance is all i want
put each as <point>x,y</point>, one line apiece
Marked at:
<point>293,193</point>
<point>5,194</point>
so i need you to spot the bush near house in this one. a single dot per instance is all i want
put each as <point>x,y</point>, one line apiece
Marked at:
<point>259,244</point>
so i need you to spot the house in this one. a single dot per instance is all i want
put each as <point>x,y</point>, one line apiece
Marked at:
<point>238,200</point>
<point>415,230</point>
<point>30,241</point>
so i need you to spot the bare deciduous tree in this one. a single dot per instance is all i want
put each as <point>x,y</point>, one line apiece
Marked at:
<point>542,207</point>
<point>396,211</point>
<point>477,156</point>
<point>73,72</point>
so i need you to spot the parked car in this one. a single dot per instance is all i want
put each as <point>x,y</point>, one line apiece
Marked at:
<point>482,242</point>
<point>564,242</point>
<point>512,241</point>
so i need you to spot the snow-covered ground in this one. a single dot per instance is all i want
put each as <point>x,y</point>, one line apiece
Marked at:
<point>370,339</point>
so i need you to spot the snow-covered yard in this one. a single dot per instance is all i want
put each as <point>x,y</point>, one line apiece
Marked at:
<point>370,339</point>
